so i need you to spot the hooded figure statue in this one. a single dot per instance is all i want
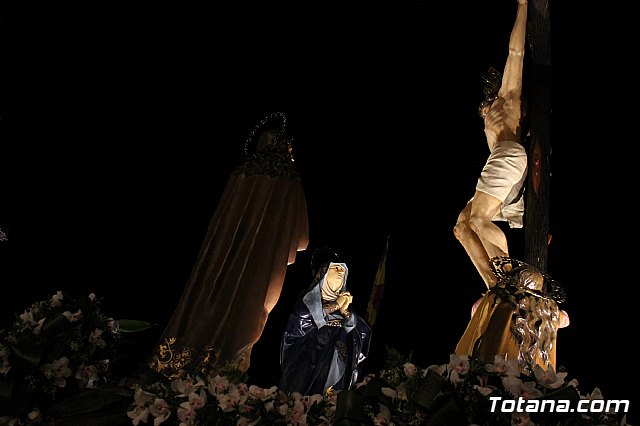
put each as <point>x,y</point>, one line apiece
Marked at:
<point>324,343</point>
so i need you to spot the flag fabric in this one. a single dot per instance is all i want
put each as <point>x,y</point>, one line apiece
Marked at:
<point>377,292</point>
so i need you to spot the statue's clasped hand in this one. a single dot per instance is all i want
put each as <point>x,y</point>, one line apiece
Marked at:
<point>344,300</point>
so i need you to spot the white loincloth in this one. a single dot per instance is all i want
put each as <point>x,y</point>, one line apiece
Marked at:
<point>503,176</point>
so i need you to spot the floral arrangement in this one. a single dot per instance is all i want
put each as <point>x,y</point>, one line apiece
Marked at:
<point>460,392</point>
<point>54,349</point>
<point>224,399</point>
<point>56,359</point>
<point>402,394</point>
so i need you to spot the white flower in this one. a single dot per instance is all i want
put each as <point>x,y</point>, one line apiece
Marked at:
<point>87,376</point>
<point>389,392</point>
<point>160,410</point>
<point>403,393</point>
<point>521,419</point>
<point>595,394</point>
<point>73,317</point>
<point>5,367</point>
<point>365,380</point>
<point>459,364</point>
<point>440,369</point>
<point>186,414</point>
<point>409,369</point>
<point>529,391</point>
<point>38,328</point>
<point>198,400</point>
<point>383,418</point>
<point>27,317</point>
<point>512,384</point>
<point>34,414</point>
<point>142,398</point>
<point>187,386</point>
<point>56,299</point>
<point>218,385</point>
<point>503,367</point>
<point>485,391</point>
<point>282,409</point>
<point>262,394</point>
<point>549,378</point>
<point>309,400</point>
<point>296,415</point>
<point>228,402</point>
<point>58,370</point>
<point>95,338</point>
<point>138,414</point>
<point>9,421</point>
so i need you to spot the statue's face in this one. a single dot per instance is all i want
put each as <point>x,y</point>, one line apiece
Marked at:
<point>335,276</point>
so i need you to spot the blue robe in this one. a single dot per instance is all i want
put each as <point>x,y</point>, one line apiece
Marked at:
<point>315,355</point>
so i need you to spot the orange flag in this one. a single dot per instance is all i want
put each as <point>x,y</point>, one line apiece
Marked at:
<point>377,292</point>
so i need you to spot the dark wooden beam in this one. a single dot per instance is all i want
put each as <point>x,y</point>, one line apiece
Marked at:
<point>536,232</point>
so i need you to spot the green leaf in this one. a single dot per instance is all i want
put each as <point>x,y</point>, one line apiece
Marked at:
<point>26,353</point>
<point>133,326</point>
<point>54,325</point>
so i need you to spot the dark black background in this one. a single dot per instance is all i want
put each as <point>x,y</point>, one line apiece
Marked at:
<point>122,121</point>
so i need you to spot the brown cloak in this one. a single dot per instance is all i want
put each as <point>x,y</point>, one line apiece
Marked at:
<point>255,232</point>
